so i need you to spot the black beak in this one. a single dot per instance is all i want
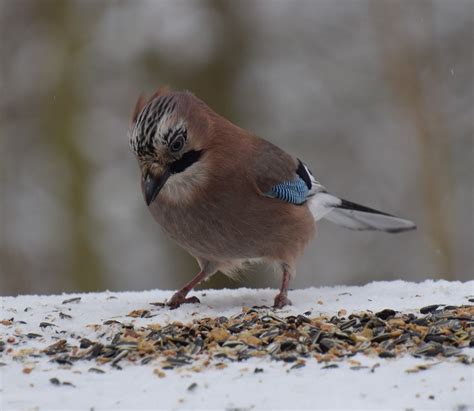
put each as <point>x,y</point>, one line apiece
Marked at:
<point>153,184</point>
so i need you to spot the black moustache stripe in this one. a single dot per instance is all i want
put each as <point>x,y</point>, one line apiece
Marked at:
<point>187,160</point>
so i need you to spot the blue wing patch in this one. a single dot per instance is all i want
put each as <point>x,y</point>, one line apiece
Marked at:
<point>293,192</point>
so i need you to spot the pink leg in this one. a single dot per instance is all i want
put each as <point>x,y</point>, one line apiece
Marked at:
<point>179,297</point>
<point>282,297</point>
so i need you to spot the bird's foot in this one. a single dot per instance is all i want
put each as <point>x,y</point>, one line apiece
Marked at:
<point>180,298</point>
<point>281,300</point>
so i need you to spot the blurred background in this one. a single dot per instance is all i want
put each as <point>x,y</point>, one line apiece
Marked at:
<point>375,96</point>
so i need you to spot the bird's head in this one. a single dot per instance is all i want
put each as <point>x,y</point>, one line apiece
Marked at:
<point>166,136</point>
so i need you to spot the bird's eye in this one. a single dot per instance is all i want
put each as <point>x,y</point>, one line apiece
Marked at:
<point>177,144</point>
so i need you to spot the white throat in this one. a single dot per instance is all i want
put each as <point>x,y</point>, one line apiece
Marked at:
<point>182,187</point>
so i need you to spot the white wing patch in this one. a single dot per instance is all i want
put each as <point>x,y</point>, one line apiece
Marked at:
<point>322,204</point>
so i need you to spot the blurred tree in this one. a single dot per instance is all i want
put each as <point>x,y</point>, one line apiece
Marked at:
<point>403,63</point>
<point>60,124</point>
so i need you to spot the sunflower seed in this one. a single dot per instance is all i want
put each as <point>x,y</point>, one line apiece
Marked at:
<point>72,300</point>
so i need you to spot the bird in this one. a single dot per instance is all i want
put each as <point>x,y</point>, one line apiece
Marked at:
<point>229,197</point>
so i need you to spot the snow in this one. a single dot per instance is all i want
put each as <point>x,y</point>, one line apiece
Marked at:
<point>446,385</point>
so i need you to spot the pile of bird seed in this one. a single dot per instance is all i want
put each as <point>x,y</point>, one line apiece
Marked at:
<point>438,331</point>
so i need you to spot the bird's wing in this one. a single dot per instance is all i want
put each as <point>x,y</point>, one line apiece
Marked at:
<point>279,175</point>
<point>299,189</point>
<point>284,178</point>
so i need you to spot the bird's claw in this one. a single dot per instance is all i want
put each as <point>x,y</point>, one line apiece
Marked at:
<point>281,300</point>
<point>179,299</point>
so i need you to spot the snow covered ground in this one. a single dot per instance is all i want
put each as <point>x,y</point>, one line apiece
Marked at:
<point>26,381</point>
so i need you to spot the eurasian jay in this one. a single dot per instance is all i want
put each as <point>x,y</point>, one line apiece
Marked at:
<point>228,197</point>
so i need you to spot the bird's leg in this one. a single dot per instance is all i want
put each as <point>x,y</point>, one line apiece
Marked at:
<point>281,298</point>
<point>179,297</point>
